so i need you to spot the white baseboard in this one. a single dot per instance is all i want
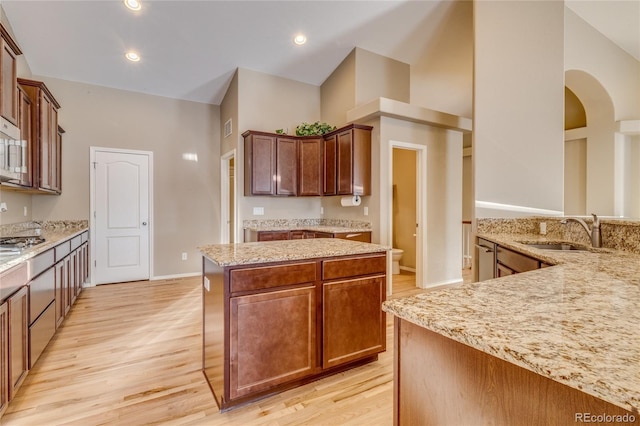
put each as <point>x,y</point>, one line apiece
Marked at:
<point>406,268</point>
<point>171,277</point>
<point>445,283</point>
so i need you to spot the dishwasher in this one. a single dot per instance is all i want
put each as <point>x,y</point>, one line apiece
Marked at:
<point>486,255</point>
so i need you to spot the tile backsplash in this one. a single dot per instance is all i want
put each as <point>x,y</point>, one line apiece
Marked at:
<point>617,234</point>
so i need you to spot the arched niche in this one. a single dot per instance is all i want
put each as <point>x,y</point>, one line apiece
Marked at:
<point>599,146</point>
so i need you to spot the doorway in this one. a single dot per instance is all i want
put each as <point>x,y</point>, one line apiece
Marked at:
<point>417,155</point>
<point>404,212</point>
<point>121,194</point>
<point>228,231</point>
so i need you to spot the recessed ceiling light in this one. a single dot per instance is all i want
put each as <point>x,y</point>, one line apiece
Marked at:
<point>133,4</point>
<point>132,56</point>
<point>300,39</point>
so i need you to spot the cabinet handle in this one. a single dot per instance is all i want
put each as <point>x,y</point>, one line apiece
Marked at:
<point>484,248</point>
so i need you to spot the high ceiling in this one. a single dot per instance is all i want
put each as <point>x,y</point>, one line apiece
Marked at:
<point>190,49</point>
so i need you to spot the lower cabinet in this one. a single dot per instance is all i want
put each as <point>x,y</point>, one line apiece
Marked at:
<point>31,314</point>
<point>4,357</point>
<point>272,339</point>
<point>18,306</point>
<point>289,323</point>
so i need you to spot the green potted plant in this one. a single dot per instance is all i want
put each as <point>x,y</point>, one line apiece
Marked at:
<point>314,129</point>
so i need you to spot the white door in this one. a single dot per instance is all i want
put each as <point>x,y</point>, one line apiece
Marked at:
<point>121,215</point>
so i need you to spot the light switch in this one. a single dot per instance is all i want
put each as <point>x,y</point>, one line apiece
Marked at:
<point>258,211</point>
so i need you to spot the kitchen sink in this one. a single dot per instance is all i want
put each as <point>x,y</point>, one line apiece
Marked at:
<point>557,246</point>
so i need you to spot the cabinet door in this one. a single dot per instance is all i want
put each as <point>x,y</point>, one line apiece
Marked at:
<point>344,167</point>
<point>8,85</point>
<point>330,163</point>
<point>61,285</point>
<point>18,339</point>
<point>286,166</point>
<point>310,167</point>
<point>272,339</point>
<point>74,278</point>
<point>273,235</point>
<point>4,357</point>
<point>260,165</point>
<point>24,117</point>
<point>353,321</point>
<point>54,157</point>
<point>45,141</point>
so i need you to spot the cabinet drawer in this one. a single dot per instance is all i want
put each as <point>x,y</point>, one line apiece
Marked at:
<point>273,235</point>
<point>354,266</point>
<point>41,332</point>
<point>41,293</point>
<point>62,250</point>
<point>13,279</point>
<point>516,261</point>
<point>272,276</point>
<point>75,242</point>
<point>364,237</point>
<point>41,263</point>
<point>85,236</point>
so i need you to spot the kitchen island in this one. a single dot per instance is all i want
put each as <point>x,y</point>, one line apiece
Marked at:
<point>557,345</point>
<point>282,313</point>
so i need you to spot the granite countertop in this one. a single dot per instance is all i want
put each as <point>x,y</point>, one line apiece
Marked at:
<point>53,235</point>
<point>315,228</point>
<point>278,251</point>
<point>575,322</point>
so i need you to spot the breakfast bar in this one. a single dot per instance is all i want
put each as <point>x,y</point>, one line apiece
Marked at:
<point>279,314</point>
<point>556,345</point>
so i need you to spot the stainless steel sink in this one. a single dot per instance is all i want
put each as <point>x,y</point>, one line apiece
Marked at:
<point>556,246</point>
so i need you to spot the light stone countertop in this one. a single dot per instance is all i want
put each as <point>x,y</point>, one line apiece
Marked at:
<point>52,235</point>
<point>279,251</point>
<point>576,323</point>
<point>315,228</point>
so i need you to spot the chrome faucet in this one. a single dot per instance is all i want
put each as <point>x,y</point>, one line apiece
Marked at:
<point>594,232</point>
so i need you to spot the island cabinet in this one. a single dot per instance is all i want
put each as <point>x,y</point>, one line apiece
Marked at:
<point>4,357</point>
<point>270,327</point>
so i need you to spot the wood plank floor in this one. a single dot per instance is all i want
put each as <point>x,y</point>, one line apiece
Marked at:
<point>130,354</point>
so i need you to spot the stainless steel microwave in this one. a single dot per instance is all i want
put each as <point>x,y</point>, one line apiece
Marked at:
<point>13,152</point>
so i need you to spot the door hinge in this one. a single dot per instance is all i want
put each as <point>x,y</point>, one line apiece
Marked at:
<point>94,214</point>
<point>94,164</point>
<point>95,263</point>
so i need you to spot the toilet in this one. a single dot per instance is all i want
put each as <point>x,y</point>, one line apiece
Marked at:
<point>396,255</point>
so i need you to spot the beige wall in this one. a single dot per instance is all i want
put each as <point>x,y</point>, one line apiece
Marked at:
<point>186,193</point>
<point>380,77</point>
<point>229,110</point>
<point>443,257</point>
<point>442,77</point>
<point>267,103</point>
<point>575,177</point>
<point>518,107</point>
<point>361,77</point>
<point>404,205</point>
<point>338,92</point>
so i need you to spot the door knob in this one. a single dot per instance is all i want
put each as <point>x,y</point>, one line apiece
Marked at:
<point>144,223</point>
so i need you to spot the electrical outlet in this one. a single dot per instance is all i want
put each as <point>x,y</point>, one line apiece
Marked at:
<point>258,211</point>
<point>25,211</point>
<point>321,210</point>
<point>184,256</point>
<point>366,211</point>
<point>3,207</point>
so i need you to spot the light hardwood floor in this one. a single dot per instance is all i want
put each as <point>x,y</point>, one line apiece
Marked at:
<point>130,354</point>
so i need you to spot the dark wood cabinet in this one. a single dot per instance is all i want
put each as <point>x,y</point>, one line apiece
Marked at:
<point>353,322</point>
<point>338,163</point>
<point>62,284</point>
<point>511,262</point>
<point>257,327</point>
<point>310,167</point>
<point>330,146</point>
<point>18,307</point>
<point>45,141</point>
<point>25,120</point>
<point>352,161</point>
<point>4,357</point>
<point>8,77</point>
<point>287,323</point>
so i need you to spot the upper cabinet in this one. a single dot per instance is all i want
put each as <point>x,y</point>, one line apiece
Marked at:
<point>8,78</point>
<point>352,160</point>
<point>45,142</point>
<point>338,163</point>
